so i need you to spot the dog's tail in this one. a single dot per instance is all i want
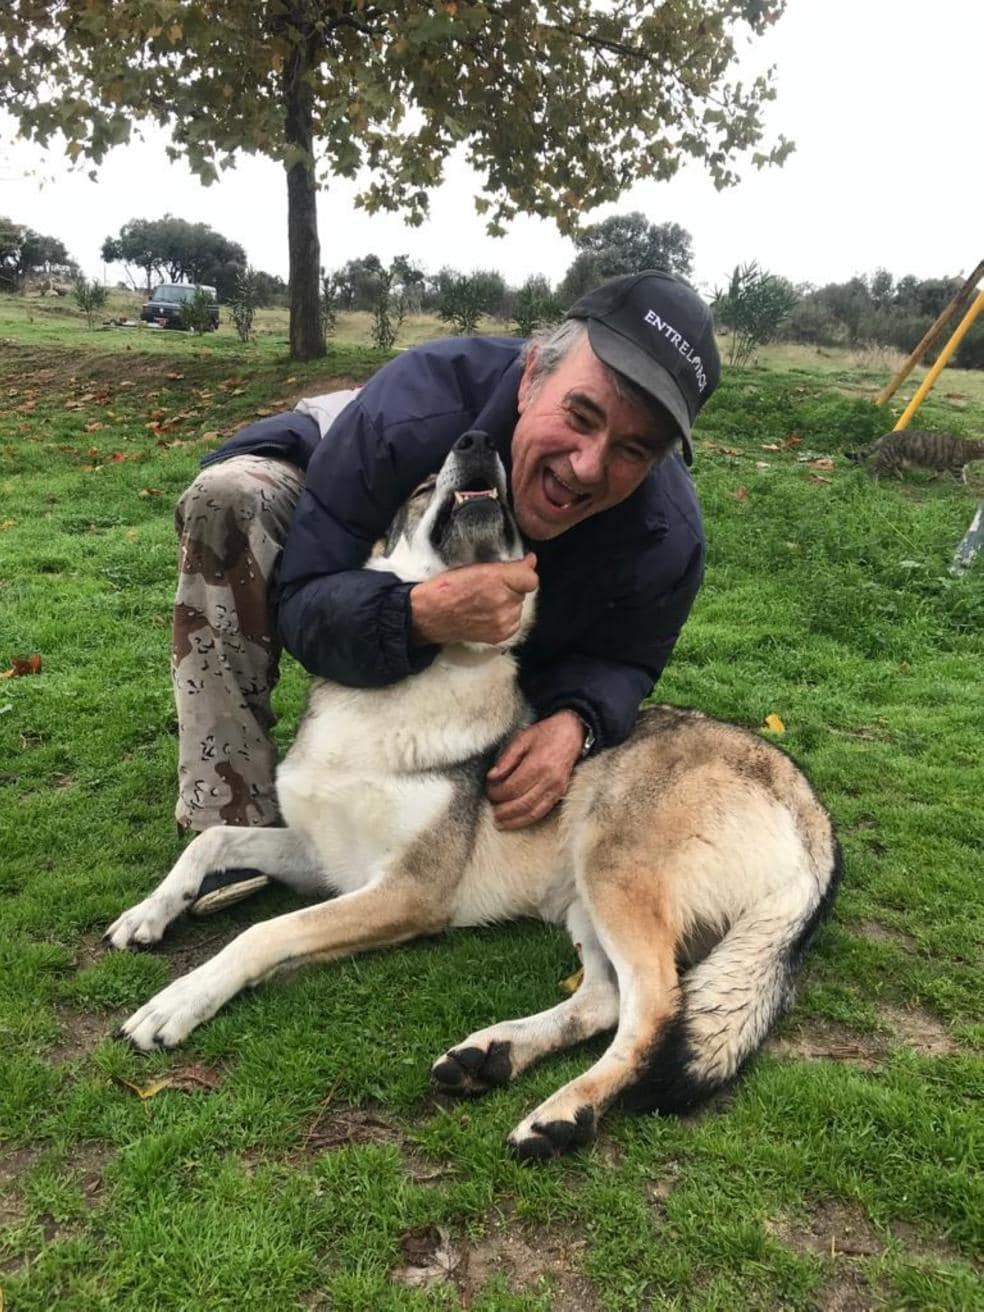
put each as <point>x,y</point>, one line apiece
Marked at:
<point>730,1001</point>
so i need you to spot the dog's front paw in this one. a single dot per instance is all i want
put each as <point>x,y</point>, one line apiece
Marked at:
<point>538,1140</point>
<point>471,1070</point>
<point>171,1015</point>
<point>139,927</point>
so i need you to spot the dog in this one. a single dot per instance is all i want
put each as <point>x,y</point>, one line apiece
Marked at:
<point>691,865</point>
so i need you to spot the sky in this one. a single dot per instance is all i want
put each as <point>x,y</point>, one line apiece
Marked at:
<point>882,98</point>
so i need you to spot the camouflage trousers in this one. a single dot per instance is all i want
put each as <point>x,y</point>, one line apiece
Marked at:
<point>231,523</point>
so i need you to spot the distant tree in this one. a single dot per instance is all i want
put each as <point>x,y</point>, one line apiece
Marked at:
<point>533,306</point>
<point>24,252</point>
<point>462,298</point>
<point>271,289</point>
<point>412,281</point>
<point>626,243</point>
<point>175,250</point>
<point>754,308</point>
<point>560,105</point>
<point>329,304</point>
<point>90,297</point>
<point>355,282</point>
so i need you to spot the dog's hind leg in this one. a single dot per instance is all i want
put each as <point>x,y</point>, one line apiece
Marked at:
<point>496,1055</point>
<point>632,927</point>
<point>282,853</point>
<point>384,913</point>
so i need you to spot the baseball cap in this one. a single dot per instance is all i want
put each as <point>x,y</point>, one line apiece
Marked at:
<point>654,328</point>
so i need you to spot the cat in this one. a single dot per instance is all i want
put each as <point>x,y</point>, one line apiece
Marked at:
<point>916,448</point>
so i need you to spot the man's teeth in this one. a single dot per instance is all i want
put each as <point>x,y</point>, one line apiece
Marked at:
<point>461,497</point>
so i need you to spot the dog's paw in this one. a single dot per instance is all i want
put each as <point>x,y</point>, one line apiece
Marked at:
<point>171,1015</point>
<point>469,1071</point>
<point>538,1140</point>
<point>139,927</point>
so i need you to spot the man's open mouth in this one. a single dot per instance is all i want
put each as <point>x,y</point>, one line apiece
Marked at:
<point>559,495</point>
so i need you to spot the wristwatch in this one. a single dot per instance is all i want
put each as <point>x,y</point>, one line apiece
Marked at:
<point>589,737</point>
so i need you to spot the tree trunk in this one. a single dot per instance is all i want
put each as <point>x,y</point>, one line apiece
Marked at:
<point>307,339</point>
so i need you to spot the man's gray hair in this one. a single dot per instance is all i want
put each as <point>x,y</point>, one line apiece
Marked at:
<point>550,346</point>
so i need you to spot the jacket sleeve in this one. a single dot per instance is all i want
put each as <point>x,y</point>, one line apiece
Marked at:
<point>617,660</point>
<point>339,620</point>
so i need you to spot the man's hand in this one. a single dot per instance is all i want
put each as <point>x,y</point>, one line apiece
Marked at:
<point>532,774</point>
<point>476,603</point>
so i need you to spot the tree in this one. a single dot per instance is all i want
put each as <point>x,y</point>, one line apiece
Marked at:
<point>175,250</point>
<point>534,306</point>
<point>561,104</point>
<point>24,251</point>
<point>245,300</point>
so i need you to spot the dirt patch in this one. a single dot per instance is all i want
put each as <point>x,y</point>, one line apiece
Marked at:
<point>920,1031</point>
<point>81,1032</point>
<point>14,1165</point>
<point>826,1040</point>
<point>885,934</point>
<point>839,1230</point>
<point>528,1261</point>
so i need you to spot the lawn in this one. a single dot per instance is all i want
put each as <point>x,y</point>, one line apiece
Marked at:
<point>297,1158</point>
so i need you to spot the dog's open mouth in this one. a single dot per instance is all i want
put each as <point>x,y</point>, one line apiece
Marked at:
<point>463,496</point>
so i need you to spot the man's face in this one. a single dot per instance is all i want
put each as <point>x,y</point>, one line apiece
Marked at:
<point>578,447</point>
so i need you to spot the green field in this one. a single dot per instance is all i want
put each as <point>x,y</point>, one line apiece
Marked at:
<point>299,1158</point>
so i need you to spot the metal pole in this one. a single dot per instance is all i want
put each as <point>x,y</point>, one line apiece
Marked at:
<point>941,361</point>
<point>949,311</point>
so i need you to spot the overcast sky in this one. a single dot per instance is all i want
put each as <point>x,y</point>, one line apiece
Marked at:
<point>882,97</point>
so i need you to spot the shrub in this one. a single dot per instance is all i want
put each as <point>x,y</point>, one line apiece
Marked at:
<point>90,297</point>
<point>754,308</point>
<point>461,301</point>
<point>388,311</point>
<point>196,314</point>
<point>533,306</point>
<point>330,299</point>
<point>247,294</point>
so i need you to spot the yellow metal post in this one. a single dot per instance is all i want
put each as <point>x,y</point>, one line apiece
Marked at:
<point>941,361</point>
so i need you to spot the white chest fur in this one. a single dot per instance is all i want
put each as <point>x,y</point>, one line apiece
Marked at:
<point>368,770</point>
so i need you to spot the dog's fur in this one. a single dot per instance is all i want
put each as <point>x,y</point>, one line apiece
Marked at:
<point>693,846</point>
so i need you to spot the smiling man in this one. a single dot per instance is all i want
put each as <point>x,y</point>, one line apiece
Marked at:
<point>592,422</point>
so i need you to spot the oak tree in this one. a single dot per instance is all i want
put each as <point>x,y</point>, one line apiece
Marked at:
<point>558,105</point>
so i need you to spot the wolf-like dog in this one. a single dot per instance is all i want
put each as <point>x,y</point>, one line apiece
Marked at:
<point>690,865</point>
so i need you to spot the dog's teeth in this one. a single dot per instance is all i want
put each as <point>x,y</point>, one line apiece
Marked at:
<point>459,498</point>
<point>492,493</point>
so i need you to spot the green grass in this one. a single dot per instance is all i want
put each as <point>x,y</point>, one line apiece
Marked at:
<point>293,1184</point>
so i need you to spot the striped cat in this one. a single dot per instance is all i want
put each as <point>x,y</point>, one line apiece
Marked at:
<point>918,449</point>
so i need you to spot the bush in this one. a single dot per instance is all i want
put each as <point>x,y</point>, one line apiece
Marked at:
<point>533,306</point>
<point>970,353</point>
<point>196,314</point>
<point>329,303</point>
<point>755,308</point>
<point>90,297</point>
<point>388,311</point>
<point>246,299</point>
<point>461,301</point>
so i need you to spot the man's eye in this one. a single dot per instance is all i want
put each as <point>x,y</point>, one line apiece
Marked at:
<point>638,454</point>
<point>579,420</point>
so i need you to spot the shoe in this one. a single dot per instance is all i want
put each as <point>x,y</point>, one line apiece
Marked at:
<point>224,888</point>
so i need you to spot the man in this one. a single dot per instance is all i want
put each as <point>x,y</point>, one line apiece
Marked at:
<point>276,529</point>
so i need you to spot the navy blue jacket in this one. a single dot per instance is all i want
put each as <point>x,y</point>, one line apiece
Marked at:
<point>614,589</point>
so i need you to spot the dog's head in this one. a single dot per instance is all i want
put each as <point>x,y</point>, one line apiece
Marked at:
<point>459,516</point>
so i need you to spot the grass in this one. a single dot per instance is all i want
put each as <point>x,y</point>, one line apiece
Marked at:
<point>845,1169</point>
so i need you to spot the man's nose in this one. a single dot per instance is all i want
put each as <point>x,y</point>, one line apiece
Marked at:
<point>588,460</point>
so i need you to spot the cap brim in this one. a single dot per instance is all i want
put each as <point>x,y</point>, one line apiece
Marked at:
<point>624,356</point>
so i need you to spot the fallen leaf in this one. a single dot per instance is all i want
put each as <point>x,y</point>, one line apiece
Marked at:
<point>818,478</point>
<point>264,411</point>
<point>187,1079</point>
<point>132,535</point>
<point>431,1257</point>
<point>740,493</point>
<point>762,464</point>
<point>954,396</point>
<point>94,426</point>
<point>7,523</point>
<point>150,492</point>
<point>771,446</point>
<point>824,462</point>
<point>210,436</point>
<point>792,439</point>
<point>773,723</point>
<point>127,383</point>
<point>573,982</point>
<point>21,666</point>
<point>174,376</point>
<point>117,457</point>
